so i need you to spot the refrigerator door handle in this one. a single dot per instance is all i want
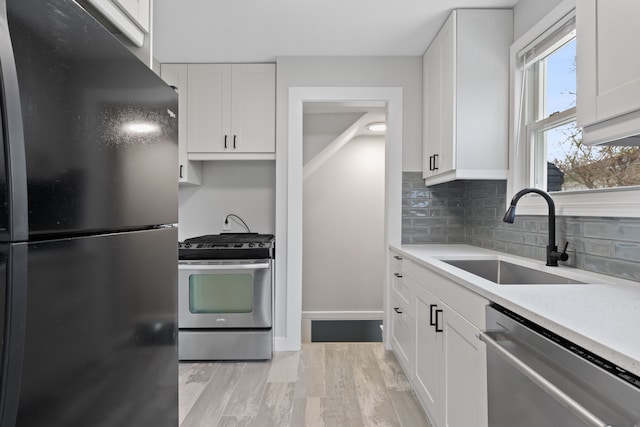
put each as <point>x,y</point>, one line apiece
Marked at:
<point>12,137</point>
<point>15,315</point>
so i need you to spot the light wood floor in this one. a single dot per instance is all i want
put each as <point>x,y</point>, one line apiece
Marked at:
<point>324,385</point>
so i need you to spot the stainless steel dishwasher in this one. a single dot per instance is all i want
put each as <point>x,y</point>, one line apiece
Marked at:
<point>536,378</point>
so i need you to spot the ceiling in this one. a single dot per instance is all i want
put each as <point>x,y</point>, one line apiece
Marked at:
<point>261,30</point>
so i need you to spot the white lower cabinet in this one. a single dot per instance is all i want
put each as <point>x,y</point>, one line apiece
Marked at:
<point>402,334</point>
<point>448,366</point>
<point>428,353</point>
<point>464,371</point>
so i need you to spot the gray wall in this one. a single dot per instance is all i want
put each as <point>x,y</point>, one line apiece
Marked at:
<point>433,215</point>
<point>526,13</point>
<point>361,71</point>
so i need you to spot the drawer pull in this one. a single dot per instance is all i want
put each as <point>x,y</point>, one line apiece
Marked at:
<point>432,321</point>
<point>397,310</point>
<point>399,258</point>
<point>438,328</point>
<point>398,275</point>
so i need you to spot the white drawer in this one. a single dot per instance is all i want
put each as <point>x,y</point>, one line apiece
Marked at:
<point>467,303</point>
<point>396,260</point>
<point>399,285</point>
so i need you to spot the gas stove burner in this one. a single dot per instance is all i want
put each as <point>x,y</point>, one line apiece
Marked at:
<point>227,246</point>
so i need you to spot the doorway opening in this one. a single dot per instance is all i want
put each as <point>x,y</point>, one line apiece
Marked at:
<point>289,182</point>
<point>343,252</point>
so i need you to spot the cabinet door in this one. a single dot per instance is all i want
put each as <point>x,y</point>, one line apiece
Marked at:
<point>465,371</point>
<point>446,161</point>
<point>428,352</point>
<point>608,60</point>
<point>618,83</point>
<point>209,105</point>
<point>432,99</point>
<point>439,102</point>
<point>176,75</point>
<point>402,331</point>
<point>137,10</point>
<point>253,108</point>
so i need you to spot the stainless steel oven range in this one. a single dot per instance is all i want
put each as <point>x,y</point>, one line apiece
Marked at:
<point>225,297</point>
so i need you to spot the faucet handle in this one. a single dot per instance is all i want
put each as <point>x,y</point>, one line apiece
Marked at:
<point>564,256</point>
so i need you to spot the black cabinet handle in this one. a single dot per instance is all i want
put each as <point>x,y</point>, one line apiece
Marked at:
<point>399,258</point>
<point>435,162</point>
<point>234,142</point>
<point>397,310</point>
<point>225,142</point>
<point>398,275</point>
<point>432,321</point>
<point>438,328</point>
<point>430,163</point>
<point>181,167</point>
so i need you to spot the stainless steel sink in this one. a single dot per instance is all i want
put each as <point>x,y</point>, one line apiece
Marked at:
<point>506,273</point>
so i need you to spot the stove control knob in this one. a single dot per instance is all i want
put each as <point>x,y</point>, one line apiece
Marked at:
<point>187,245</point>
<point>261,244</point>
<point>251,245</point>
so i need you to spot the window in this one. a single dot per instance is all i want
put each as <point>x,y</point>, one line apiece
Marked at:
<point>546,144</point>
<point>550,106</point>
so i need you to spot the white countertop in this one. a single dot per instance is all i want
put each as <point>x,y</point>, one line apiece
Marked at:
<point>602,318</point>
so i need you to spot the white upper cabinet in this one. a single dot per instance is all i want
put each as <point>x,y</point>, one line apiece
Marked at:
<point>131,17</point>
<point>253,107</point>
<point>137,10</point>
<point>439,73</point>
<point>608,64</point>
<point>466,97</point>
<point>176,76</point>
<point>231,111</point>
<point>209,119</point>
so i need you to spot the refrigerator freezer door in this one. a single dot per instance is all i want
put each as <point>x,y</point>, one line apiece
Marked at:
<point>13,296</point>
<point>101,332</point>
<point>100,128</point>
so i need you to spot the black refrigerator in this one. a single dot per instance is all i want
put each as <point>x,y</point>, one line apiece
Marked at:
<point>88,242</point>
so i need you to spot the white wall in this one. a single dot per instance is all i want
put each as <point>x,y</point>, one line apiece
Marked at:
<point>343,230</point>
<point>245,188</point>
<point>526,13</point>
<point>390,71</point>
<point>322,129</point>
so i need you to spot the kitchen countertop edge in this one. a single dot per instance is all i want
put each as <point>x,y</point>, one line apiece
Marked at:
<point>612,335</point>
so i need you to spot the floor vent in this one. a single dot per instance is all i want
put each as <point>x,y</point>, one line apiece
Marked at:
<point>346,331</point>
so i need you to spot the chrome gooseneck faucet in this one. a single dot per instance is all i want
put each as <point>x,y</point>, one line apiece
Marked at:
<point>552,250</point>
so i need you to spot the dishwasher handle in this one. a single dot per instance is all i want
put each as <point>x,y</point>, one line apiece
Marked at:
<point>224,266</point>
<point>563,398</point>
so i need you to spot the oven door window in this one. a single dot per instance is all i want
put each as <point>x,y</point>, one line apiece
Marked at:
<point>221,293</point>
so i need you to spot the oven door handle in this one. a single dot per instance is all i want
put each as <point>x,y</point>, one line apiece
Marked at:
<point>583,413</point>
<point>226,266</point>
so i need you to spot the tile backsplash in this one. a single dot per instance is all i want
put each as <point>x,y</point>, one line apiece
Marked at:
<point>471,212</point>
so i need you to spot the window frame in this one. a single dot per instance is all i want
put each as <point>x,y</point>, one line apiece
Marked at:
<point>610,202</point>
